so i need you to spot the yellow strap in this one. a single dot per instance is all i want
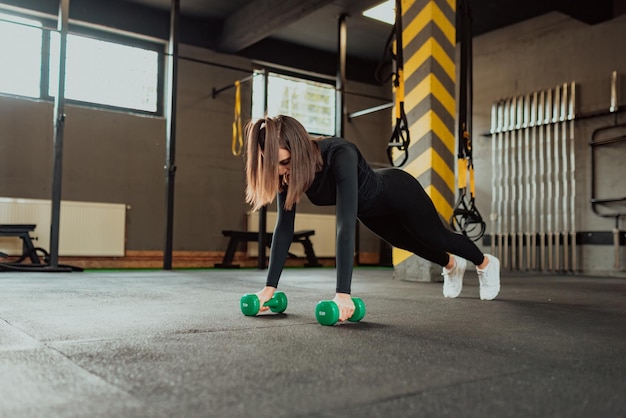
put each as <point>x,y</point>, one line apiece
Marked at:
<point>471,173</point>
<point>462,166</point>
<point>237,144</point>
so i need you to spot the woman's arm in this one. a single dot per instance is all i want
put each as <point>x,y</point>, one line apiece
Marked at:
<point>281,240</point>
<point>345,169</point>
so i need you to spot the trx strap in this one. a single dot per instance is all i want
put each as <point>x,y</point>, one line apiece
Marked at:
<point>400,137</point>
<point>237,144</point>
<point>466,218</point>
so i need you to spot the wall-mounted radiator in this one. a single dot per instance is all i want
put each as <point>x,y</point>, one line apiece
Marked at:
<point>533,184</point>
<point>85,228</point>
<point>323,241</point>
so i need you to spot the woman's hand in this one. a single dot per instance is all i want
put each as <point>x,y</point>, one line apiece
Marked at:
<point>265,295</point>
<point>345,304</point>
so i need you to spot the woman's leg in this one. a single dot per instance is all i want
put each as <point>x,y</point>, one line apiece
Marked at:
<point>412,221</point>
<point>398,236</point>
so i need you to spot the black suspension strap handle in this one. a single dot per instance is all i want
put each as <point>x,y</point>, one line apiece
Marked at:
<point>400,137</point>
<point>465,217</point>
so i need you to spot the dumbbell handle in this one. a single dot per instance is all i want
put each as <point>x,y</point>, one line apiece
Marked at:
<point>326,317</point>
<point>250,304</point>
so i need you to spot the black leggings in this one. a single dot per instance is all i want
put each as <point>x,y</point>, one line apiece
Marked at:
<point>406,218</point>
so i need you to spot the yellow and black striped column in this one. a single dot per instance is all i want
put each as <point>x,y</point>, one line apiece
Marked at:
<point>429,40</point>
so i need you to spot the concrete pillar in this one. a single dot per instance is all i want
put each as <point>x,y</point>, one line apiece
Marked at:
<point>429,40</point>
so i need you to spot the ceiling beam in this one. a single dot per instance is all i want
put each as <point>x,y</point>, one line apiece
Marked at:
<point>261,18</point>
<point>600,11</point>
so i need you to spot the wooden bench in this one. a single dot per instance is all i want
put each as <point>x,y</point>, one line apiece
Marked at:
<point>22,231</point>
<point>237,237</point>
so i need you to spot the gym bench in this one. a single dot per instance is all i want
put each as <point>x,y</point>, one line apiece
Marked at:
<point>23,232</point>
<point>237,237</point>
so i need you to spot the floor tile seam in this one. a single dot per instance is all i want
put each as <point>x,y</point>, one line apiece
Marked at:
<point>406,395</point>
<point>56,344</point>
<point>570,364</point>
<point>161,411</point>
<point>238,329</point>
<point>36,343</point>
<point>39,345</point>
<point>46,343</point>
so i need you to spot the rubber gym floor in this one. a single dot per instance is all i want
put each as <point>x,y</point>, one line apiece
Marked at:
<point>175,344</point>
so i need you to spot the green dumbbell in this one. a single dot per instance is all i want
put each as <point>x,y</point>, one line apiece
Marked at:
<point>327,311</point>
<point>250,304</point>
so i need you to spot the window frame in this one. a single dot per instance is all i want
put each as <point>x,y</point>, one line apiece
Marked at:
<point>267,71</point>
<point>102,34</point>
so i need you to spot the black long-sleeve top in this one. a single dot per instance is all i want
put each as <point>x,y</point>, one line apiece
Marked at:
<point>347,181</point>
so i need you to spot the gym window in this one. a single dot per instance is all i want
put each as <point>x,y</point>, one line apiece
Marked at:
<point>102,69</point>
<point>106,73</point>
<point>20,72</point>
<point>310,102</point>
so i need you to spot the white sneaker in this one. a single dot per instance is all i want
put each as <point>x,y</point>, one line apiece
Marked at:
<point>453,278</point>
<point>489,278</point>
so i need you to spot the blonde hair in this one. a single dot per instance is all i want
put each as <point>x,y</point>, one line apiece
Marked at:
<point>263,140</point>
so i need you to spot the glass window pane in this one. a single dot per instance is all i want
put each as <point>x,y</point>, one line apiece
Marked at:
<point>107,73</point>
<point>258,88</point>
<point>20,49</point>
<point>312,103</point>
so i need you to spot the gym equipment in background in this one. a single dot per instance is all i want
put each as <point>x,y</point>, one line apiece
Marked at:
<point>465,217</point>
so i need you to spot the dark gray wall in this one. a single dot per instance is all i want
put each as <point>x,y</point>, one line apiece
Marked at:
<point>108,157</point>
<point>119,157</point>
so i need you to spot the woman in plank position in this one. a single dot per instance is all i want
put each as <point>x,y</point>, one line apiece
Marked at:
<point>284,162</point>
